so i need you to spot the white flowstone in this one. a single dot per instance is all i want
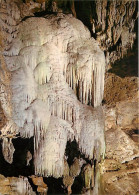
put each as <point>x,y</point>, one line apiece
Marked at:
<point>56,76</point>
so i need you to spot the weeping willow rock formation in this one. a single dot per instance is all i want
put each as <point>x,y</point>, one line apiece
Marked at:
<point>51,75</point>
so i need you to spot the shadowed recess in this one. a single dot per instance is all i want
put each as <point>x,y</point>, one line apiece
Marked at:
<point>19,165</point>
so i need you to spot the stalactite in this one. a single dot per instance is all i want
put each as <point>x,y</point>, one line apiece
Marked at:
<point>8,149</point>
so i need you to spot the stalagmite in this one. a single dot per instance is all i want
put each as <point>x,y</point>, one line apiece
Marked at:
<point>21,185</point>
<point>75,168</point>
<point>56,87</point>
<point>88,176</point>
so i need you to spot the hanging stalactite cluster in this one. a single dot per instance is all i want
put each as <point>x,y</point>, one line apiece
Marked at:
<point>56,76</point>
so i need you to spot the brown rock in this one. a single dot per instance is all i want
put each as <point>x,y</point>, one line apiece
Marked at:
<point>126,113</point>
<point>88,176</point>
<point>38,181</point>
<point>120,147</point>
<point>119,89</point>
<point>41,189</point>
<point>120,182</point>
<point>119,178</point>
<point>110,118</point>
<point>66,168</point>
<point>8,149</point>
<point>68,181</point>
<point>112,165</point>
<point>15,186</point>
<point>136,122</point>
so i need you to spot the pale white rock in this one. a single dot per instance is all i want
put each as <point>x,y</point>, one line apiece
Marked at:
<point>56,78</point>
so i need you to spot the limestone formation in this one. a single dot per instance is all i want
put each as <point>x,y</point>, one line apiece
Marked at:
<point>121,125</point>
<point>68,182</point>
<point>8,149</point>
<point>112,23</point>
<point>14,186</point>
<point>51,88</point>
<point>120,178</point>
<point>88,176</point>
<point>55,75</point>
<point>75,168</point>
<point>115,26</point>
<point>41,186</point>
<point>118,146</point>
<point>66,168</point>
<point>70,173</point>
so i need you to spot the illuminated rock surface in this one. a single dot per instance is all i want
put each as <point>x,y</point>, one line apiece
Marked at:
<point>15,185</point>
<point>51,77</point>
<point>55,73</point>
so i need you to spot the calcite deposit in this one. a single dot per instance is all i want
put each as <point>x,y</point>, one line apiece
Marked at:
<point>55,74</point>
<point>8,149</point>
<point>112,23</point>
<point>53,87</point>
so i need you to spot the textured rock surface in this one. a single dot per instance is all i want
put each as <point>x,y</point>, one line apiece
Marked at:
<point>41,186</point>
<point>123,115</point>
<point>116,36</point>
<point>2,118</point>
<point>8,149</point>
<point>120,178</point>
<point>120,146</point>
<point>119,89</point>
<point>121,124</point>
<point>15,186</point>
<point>112,23</point>
<point>55,74</point>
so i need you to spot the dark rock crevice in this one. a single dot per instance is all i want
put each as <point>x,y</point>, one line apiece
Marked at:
<point>19,165</point>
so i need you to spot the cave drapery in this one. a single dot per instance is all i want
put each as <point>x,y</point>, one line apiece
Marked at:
<point>52,84</point>
<point>51,91</point>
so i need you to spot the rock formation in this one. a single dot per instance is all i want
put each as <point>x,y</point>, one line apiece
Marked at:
<point>14,185</point>
<point>55,74</point>
<point>48,60</point>
<point>41,186</point>
<point>112,23</point>
<point>52,74</point>
<point>8,149</point>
